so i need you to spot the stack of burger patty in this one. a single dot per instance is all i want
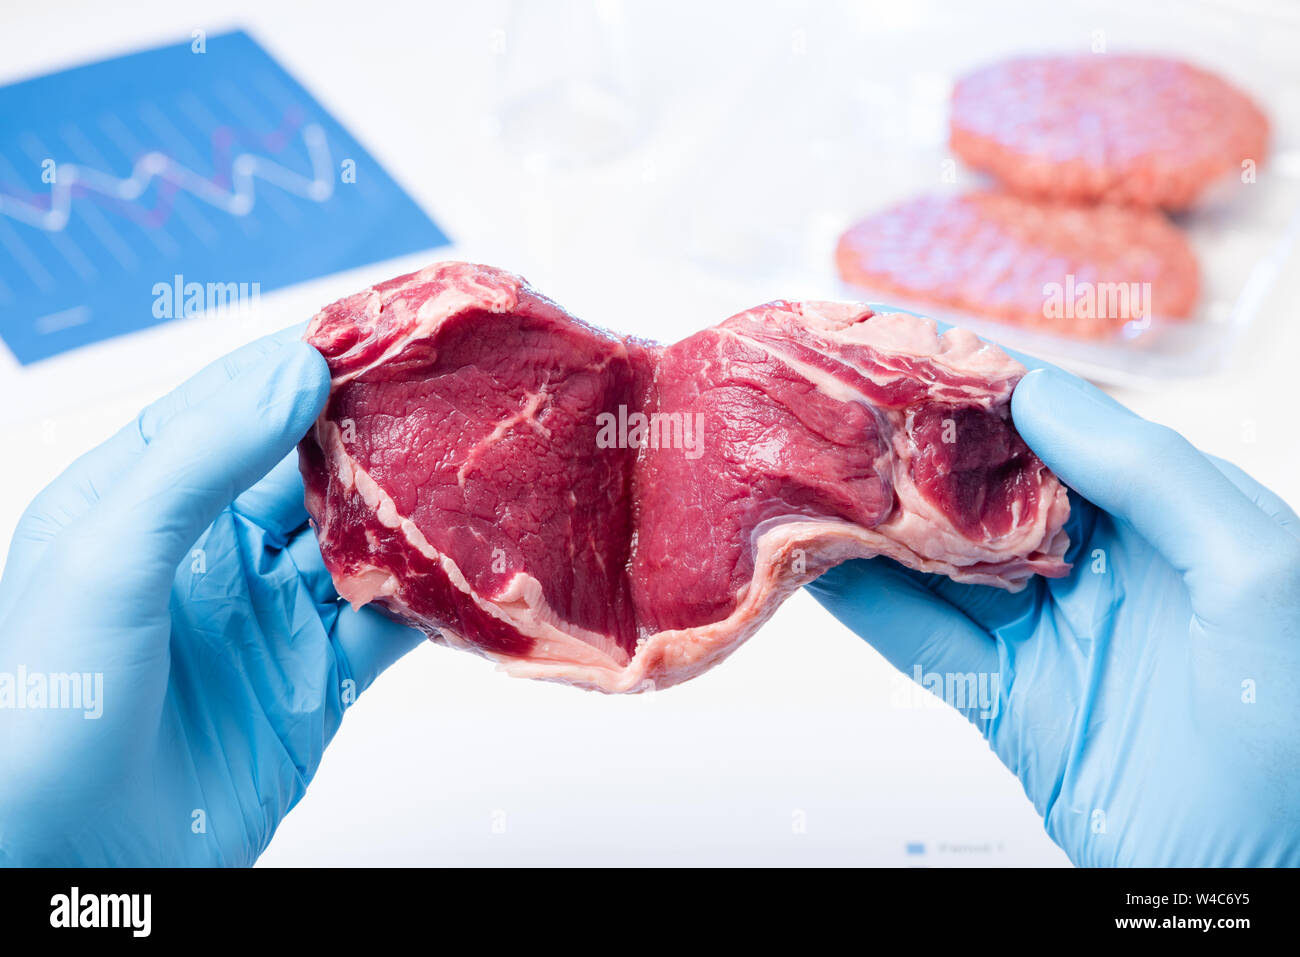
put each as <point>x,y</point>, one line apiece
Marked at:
<point>1089,153</point>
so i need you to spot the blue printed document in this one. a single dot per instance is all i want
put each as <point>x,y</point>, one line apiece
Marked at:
<point>190,177</point>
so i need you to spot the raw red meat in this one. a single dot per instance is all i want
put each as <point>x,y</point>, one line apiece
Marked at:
<point>1139,130</point>
<point>999,255</point>
<point>480,470</point>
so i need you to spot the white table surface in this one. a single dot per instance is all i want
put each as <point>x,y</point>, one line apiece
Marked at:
<point>742,166</point>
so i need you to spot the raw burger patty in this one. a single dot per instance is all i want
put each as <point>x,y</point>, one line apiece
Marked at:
<point>992,254</point>
<point>1097,127</point>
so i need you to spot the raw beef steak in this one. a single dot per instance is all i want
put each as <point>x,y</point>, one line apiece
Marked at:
<point>1138,130</point>
<point>1082,271</point>
<point>622,515</point>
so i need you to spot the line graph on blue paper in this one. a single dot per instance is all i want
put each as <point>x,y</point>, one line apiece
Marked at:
<point>175,169</point>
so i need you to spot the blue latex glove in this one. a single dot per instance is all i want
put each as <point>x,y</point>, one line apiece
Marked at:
<point>1147,702</point>
<point>226,658</point>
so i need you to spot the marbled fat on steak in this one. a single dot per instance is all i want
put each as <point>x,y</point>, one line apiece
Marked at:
<point>621,515</point>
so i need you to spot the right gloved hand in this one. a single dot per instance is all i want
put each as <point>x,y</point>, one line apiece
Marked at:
<point>1148,701</point>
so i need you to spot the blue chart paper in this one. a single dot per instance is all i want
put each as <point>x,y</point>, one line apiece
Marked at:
<point>215,167</point>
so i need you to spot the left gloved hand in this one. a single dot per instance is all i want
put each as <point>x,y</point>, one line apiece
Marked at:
<point>178,583</point>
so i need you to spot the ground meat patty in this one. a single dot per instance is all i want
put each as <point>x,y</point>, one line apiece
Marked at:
<point>1048,265</point>
<point>1098,127</point>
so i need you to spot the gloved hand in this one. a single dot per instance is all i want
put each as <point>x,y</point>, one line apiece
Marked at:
<point>180,578</point>
<point>1147,702</point>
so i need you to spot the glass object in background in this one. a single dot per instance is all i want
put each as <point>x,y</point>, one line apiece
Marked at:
<point>813,132</point>
<point>571,103</point>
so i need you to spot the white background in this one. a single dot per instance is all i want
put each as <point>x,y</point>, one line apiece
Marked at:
<point>723,149</point>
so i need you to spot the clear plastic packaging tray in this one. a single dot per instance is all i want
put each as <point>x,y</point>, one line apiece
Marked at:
<point>1242,234</point>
